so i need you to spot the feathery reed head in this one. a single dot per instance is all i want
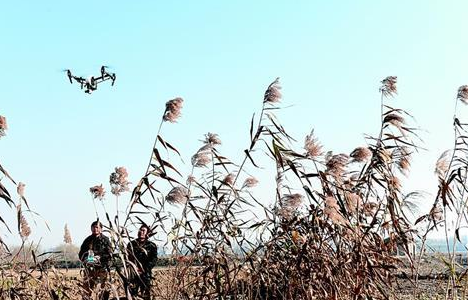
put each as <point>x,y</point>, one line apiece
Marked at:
<point>273,94</point>
<point>293,201</point>
<point>331,210</point>
<point>336,164</point>
<point>173,110</point>
<point>66,235</point>
<point>289,205</point>
<point>462,94</point>
<point>212,139</point>
<point>178,195</point>
<point>402,155</point>
<point>388,87</point>
<point>361,154</point>
<point>20,189</point>
<point>201,159</point>
<point>442,164</point>
<point>312,146</point>
<point>394,183</point>
<point>97,192</point>
<point>250,182</point>
<point>191,180</point>
<point>229,179</point>
<point>25,230</point>
<point>118,180</point>
<point>3,126</point>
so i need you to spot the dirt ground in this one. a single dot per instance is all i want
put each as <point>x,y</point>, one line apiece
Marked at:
<point>432,282</point>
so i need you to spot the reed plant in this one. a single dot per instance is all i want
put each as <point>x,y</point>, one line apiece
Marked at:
<point>330,231</point>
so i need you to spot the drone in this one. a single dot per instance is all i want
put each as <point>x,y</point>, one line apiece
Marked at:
<point>92,82</point>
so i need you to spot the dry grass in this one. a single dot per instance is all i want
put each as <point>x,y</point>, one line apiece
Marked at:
<point>330,232</point>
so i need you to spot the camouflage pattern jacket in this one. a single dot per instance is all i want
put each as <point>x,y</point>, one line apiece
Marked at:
<point>143,254</point>
<point>100,245</point>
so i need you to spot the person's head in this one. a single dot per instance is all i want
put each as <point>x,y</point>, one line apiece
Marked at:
<point>143,232</point>
<point>96,228</point>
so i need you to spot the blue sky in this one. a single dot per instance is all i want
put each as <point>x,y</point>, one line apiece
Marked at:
<point>219,56</point>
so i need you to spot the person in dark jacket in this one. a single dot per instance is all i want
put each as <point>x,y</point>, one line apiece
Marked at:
<point>144,255</point>
<point>95,254</point>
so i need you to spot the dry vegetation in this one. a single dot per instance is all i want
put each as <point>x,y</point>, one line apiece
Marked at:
<point>330,233</point>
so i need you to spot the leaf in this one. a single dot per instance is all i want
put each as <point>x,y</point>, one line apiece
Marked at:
<point>158,157</point>
<point>251,127</point>
<point>164,143</point>
<point>457,234</point>
<point>250,157</point>
<point>277,154</point>
<point>293,167</point>
<point>215,192</point>
<point>6,195</point>
<point>257,135</point>
<point>6,174</point>
<point>420,219</point>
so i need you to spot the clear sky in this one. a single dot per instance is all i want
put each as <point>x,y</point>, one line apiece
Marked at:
<point>219,56</point>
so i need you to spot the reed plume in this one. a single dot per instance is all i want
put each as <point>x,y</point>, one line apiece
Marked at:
<point>212,139</point>
<point>178,195</point>
<point>20,189</point>
<point>388,87</point>
<point>118,181</point>
<point>250,182</point>
<point>25,230</point>
<point>442,164</point>
<point>336,164</point>
<point>312,147</point>
<point>331,210</point>
<point>97,192</point>
<point>67,236</point>
<point>229,179</point>
<point>201,159</point>
<point>173,110</point>
<point>3,126</point>
<point>361,154</point>
<point>273,94</point>
<point>462,94</point>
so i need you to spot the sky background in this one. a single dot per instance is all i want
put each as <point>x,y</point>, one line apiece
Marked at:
<point>219,56</point>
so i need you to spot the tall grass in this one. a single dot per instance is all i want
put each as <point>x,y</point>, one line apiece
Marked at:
<point>331,231</point>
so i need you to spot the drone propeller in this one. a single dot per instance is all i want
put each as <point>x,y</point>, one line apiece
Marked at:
<point>113,79</point>
<point>69,74</point>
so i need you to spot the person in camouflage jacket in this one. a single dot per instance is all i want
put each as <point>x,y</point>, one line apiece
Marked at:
<point>144,255</point>
<point>95,254</point>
